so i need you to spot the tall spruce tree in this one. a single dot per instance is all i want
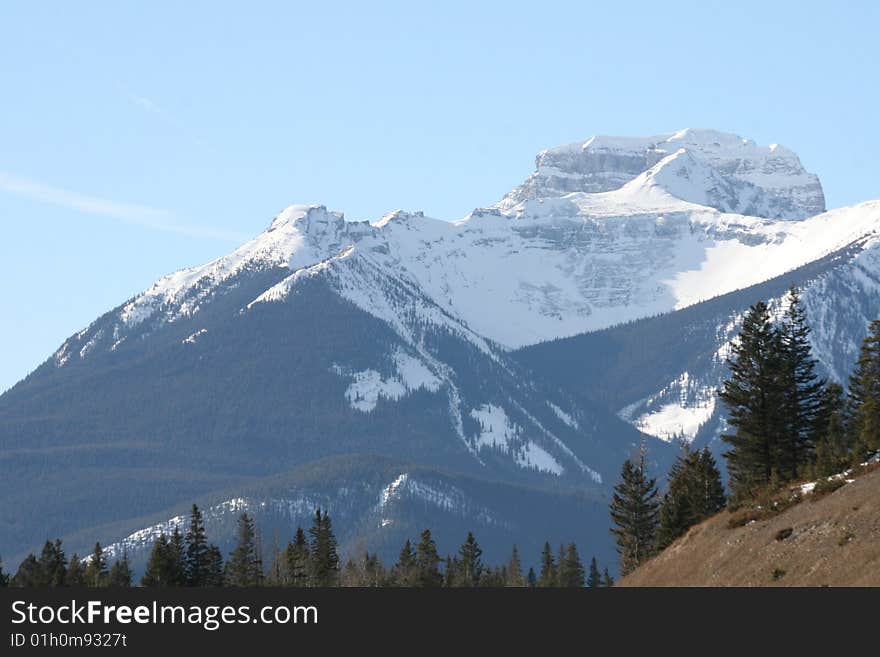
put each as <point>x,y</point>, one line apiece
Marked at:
<point>755,398</point>
<point>404,572</point>
<point>594,579</point>
<point>634,510</point>
<point>571,569</point>
<point>802,389</point>
<point>864,395</point>
<point>531,578</point>
<point>607,580</point>
<point>197,562</point>
<point>243,566</point>
<point>96,572</point>
<point>52,565</point>
<point>75,571</point>
<point>427,560</point>
<point>324,561</point>
<point>514,570</point>
<point>215,567</point>
<point>28,574</point>
<point>547,577</point>
<point>297,559</point>
<point>164,566</point>
<point>470,563</point>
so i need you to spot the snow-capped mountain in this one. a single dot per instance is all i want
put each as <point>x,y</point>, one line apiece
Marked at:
<point>509,346</point>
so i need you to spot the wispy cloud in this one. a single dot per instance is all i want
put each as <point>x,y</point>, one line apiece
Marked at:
<point>152,218</point>
<point>150,106</point>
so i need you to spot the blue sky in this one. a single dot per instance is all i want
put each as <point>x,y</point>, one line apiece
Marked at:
<point>139,138</point>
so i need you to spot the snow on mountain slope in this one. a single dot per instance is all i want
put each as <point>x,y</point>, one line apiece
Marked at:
<point>549,266</point>
<point>771,180</point>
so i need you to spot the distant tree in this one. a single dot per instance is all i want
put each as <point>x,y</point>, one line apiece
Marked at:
<point>864,395</point>
<point>449,572</point>
<point>75,572</point>
<point>756,402</point>
<point>324,561</point>
<point>531,578</point>
<point>547,577</point>
<point>243,566</point>
<point>197,562</point>
<point>426,562</point>
<point>470,564</point>
<point>215,567</point>
<point>160,571</point>
<point>52,565</point>
<point>634,509</point>
<point>177,557</point>
<point>4,577</point>
<point>120,573</point>
<point>28,573</point>
<point>571,570</point>
<point>514,570</point>
<point>607,580</point>
<point>297,560</point>
<point>594,579</point>
<point>96,571</point>
<point>832,448</point>
<point>404,573</point>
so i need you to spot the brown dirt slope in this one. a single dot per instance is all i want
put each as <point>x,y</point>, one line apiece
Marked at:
<point>834,541</point>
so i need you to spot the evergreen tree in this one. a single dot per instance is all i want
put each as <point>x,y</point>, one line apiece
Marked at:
<point>514,571</point>
<point>864,395</point>
<point>75,572</point>
<point>427,572</point>
<point>707,494</point>
<point>449,572</point>
<point>197,562</point>
<point>28,573</point>
<point>4,577</point>
<point>594,579</point>
<point>52,565</point>
<point>571,570</point>
<point>120,573</point>
<point>404,572</point>
<point>215,567</point>
<point>324,561</point>
<point>547,577</point>
<point>634,510</point>
<point>297,559</point>
<point>531,578</point>
<point>832,452</point>
<point>755,398</point>
<point>96,572</point>
<point>470,564</point>
<point>802,389</point>
<point>161,571</point>
<point>607,580</point>
<point>177,557</point>
<point>243,566</point>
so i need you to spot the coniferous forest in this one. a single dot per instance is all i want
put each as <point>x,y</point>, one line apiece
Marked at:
<point>786,425</point>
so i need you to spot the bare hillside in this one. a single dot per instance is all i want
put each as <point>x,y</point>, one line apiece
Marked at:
<point>830,541</point>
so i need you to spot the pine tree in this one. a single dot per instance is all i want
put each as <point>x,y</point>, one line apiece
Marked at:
<point>547,577</point>
<point>215,567</point>
<point>197,560</point>
<point>594,579</point>
<point>324,561</point>
<point>28,573</point>
<point>755,397</point>
<point>4,577</point>
<point>160,570</point>
<point>531,578</point>
<point>427,572</point>
<point>514,571</point>
<point>470,564</point>
<point>634,510</point>
<point>404,572</point>
<point>449,572</point>
<point>571,570</point>
<point>864,395</point>
<point>802,389</point>
<point>120,573</point>
<point>96,572</point>
<point>607,580</point>
<point>177,557</point>
<point>52,565</point>
<point>297,559</point>
<point>242,567</point>
<point>707,491</point>
<point>75,572</point>
<point>832,452</point>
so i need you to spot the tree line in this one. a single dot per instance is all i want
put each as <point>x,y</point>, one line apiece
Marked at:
<point>787,424</point>
<point>310,559</point>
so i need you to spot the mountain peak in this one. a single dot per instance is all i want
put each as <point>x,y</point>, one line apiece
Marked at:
<point>766,181</point>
